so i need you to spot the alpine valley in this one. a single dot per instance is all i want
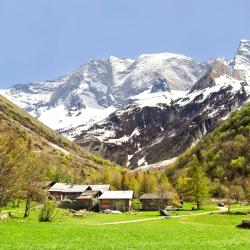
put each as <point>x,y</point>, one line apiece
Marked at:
<point>143,112</point>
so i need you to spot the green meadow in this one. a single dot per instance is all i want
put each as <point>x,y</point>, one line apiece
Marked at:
<point>207,231</point>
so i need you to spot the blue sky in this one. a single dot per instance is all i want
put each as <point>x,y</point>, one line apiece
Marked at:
<point>42,39</point>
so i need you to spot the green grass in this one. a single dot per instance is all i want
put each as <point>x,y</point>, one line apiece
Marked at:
<point>192,232</point>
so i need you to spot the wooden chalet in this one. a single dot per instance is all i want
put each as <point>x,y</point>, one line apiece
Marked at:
<point>116,200</point>
<point>63,191</point>
<point>154,201</point>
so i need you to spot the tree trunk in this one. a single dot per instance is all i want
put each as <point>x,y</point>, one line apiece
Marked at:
<point>27,207</point>
<point>197,204</point>
<point>229,207</point>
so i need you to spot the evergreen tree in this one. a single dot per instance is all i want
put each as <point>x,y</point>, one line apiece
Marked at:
<point>198,183</point>
<point>148,183</point>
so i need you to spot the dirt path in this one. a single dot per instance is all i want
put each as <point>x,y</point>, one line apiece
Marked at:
<point>11,210</point>
<point>127,221</point>
<point>161,217</point>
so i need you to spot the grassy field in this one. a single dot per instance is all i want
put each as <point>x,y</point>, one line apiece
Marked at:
<point>214,231</point>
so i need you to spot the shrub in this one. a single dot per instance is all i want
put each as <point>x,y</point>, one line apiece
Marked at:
<point>48,211</point>
<point>13,215</point>
<point>136,205</point>
<point>244,224</point>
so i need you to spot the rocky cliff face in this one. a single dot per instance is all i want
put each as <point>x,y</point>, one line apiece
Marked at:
<point>141,111</point>
<point>139,135</point>
<point>217,69</point>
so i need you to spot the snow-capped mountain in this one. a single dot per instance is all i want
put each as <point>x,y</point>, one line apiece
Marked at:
<point>241,62</point>
<point>89,94</point>
<point>141,111</point>
<point>161,126</point>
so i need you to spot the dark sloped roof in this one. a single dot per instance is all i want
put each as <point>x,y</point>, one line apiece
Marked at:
<point>153,196</point>
<point>100,187</point>
<point>88,194</point>
<point>68,188</point>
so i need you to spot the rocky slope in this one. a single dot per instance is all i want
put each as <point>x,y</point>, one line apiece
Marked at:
<point>142,111</point>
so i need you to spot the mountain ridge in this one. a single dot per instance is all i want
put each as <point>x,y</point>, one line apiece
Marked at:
<point>153,87</point>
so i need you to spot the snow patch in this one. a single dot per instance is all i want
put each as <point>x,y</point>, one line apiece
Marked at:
<point>157,165</point>
<point>142,161</point>
<point>148,99</point>
<point>59,148</point>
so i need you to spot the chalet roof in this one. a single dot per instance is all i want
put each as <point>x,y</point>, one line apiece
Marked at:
<point>68,188</point>
<point>47,184</point>
<point>88,194</point>
<point>152,196</point>
<point>117,195</point>
<point>100,187</point>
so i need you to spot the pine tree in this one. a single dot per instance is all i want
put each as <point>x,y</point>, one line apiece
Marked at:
<point>148,183</point>
<point>198,183</point>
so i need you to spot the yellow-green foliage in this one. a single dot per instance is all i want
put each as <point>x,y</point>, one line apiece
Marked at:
<point>76,166</point>
<point>224,154</point>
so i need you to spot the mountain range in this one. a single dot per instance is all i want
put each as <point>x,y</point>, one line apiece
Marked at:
<point>143,111</point>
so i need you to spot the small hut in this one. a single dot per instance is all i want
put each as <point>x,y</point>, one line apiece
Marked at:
<point>154,201</point>
<point>88,200</point>
<point>116,200</point>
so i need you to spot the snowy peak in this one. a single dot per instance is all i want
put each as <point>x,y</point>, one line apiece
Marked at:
<point>244,47</point>
<point>217,69</point>
<point>241,61</point>
<point>91,92</point>
<point>180,71</point>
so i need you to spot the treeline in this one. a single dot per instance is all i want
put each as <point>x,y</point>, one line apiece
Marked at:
<point>224,156</point>
<point>123,179</point>
<point>139,182</point>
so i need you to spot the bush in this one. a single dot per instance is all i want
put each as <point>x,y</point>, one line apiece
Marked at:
<point>13,215</point>
<point>244,224</point>
<point>48,212</point>
<point>136,205</point>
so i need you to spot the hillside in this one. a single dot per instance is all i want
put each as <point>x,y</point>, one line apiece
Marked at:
<point>224,153</point>
<point>65,160</point>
